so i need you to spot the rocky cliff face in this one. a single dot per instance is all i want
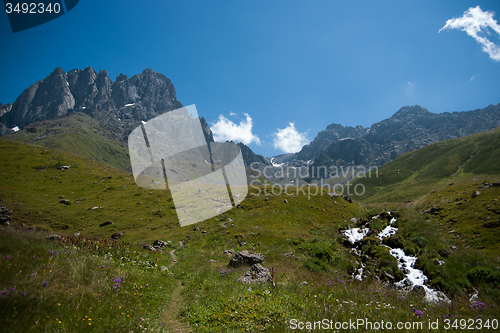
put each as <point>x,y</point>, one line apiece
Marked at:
<point>250,157</point>
<point>119,105</point>
<point>5,108</point>
<point>331,134</point>
<point>410,128</point>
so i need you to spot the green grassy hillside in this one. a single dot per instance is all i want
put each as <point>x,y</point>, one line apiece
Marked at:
<point>471,158</point>
<point>79,134</point>
<point>297,230</point>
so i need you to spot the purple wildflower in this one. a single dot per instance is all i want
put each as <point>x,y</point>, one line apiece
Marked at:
<point>4,292</point>
<point>12,290</point>
<point>23,293</point>
<point>102,266</point>
<point>147,285</point>
<point>45,284</point>
<point>417,313</point>
<point>477,305</point>
<point>8,257</point>
<point>122,279</point>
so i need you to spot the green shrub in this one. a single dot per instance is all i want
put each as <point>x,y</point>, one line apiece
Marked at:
<point>316,265</point>
<point>322,250</point>
<point>483,274</point>
<point>419,241</point>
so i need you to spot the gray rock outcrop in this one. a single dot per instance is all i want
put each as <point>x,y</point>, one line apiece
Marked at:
<point>256,274</point>
<point>117,235</point>
<point>161,243</point>
<point>4,214</point>
<point>244,258</point>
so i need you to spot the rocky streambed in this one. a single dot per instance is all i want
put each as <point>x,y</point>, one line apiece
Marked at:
<point>414,279</point>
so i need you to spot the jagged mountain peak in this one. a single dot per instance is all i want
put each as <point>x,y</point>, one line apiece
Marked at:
<point>121,77</point>
<point>408,111</point>
<point>61,92</point>
<point>120,105</point>
<point>58,71</point>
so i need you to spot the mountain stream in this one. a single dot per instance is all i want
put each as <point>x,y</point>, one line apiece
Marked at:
<point>413,277</point>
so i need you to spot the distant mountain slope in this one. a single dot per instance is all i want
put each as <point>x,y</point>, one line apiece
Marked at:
<point>410,128</point>
<point>326,138</point>
<point>77,133</point>
<point>418,172</point>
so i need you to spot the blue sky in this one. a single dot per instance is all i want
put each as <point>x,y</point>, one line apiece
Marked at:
<point>309,63</point>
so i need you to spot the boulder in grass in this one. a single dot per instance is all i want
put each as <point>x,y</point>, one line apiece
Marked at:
<point>117,235</point>
<point>419,290</point>
<point>256,274</point>
<point>53,237</point>
<point>149,247</point>
<point>4,214</point>
<point>243,258</point>
<point>161,243</point>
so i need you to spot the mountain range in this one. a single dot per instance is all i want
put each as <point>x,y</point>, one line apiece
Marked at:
<point>53,110</point>
<point>410,128</point>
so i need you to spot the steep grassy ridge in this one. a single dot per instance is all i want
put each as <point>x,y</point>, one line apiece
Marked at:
<point>79,134</point>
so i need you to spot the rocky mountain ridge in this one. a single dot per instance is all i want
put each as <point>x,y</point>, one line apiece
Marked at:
<point>119,105</point>
<point>410,128</point>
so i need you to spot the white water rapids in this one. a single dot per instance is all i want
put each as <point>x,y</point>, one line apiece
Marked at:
<point>413,277</point>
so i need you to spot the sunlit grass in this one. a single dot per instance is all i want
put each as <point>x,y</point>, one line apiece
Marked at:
<point>297,232</point>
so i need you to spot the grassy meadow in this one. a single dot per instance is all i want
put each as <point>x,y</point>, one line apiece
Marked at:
<point>92,283</point>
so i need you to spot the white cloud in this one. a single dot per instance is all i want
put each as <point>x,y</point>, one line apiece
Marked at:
<point>289,139</point>
<point>224,130</point>
<point>232,114</point>
<point>476,22</point>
